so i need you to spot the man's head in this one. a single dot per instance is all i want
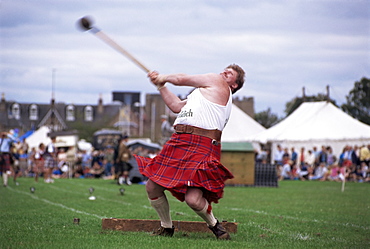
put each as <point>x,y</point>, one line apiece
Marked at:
<point>240,77</point>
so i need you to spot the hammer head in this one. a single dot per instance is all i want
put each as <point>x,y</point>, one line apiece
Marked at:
<point>85,23</point>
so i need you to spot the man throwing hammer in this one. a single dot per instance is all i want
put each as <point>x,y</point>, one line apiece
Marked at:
<point>189,164</point>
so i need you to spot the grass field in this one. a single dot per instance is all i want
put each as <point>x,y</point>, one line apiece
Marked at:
<point>294,215</point>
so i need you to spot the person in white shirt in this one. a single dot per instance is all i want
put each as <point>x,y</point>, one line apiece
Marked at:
<point>319,172</point>
<point>6,141</point>
<point>278,155</point>
<point>286,173</point>
<point>189,164</point>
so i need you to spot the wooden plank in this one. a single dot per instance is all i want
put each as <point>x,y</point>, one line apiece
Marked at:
<point>134,225</point>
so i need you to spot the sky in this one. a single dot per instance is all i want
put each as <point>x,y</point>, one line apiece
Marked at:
<point>282,45</point>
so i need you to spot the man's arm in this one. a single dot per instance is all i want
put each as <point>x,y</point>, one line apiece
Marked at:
<point>171,100</point>
<point>213,87</point>
<point>197,80</point>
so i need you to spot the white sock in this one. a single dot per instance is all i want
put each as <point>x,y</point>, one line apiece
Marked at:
<point>5,178</point>
<point>207,215</point>
<point>162,207</point>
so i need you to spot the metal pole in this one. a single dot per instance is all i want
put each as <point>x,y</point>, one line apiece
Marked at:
<point>152,133</point>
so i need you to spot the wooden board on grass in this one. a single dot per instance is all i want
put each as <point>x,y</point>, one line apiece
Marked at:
<point>134,225</point>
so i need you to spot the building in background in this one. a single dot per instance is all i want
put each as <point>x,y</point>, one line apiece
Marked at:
<point>126,114</point>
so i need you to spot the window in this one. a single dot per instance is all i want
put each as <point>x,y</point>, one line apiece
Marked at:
<point>34,112</point>
<point>16,111</point>
<point>88,113</point>
<point>70,113</point>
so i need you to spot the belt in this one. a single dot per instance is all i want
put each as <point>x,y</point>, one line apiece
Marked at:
<point>188,129</point>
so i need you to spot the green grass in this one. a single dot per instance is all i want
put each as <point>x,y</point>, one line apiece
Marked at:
<point>295,215</point>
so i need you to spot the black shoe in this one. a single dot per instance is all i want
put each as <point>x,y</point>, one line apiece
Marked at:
<point>220,231</point>
<point>168,232</point>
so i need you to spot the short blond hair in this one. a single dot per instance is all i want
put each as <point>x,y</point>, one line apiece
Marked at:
<point>240,78</point>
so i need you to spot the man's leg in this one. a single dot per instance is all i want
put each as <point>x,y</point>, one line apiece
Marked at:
<point>159,202</point>
<point>195,200</point>
<point>46,174</point>
<point>126,176</point>
<point>5,178</point>
<point>4,167</point>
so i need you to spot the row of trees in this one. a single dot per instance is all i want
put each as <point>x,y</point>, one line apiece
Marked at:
<point>357,105</point>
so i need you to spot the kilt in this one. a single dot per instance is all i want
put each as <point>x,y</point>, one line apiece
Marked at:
<point>49,162</point>
<point>187,160</point>
<point>5,162</point>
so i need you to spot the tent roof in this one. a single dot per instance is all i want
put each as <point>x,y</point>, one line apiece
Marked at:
<point>237,146</point>
<point>315,121</point>
<point>39,136</point>
<point>146,144</point>
<point>240,126</point>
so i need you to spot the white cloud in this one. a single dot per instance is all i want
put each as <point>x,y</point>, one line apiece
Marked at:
<point>282,45</point>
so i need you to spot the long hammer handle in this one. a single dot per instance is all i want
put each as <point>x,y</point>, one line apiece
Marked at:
<point>117,47</point>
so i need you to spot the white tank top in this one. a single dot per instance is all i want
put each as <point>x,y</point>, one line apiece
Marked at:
<point>200,112</point>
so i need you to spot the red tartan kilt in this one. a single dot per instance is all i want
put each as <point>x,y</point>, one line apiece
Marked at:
<point>187,161</point>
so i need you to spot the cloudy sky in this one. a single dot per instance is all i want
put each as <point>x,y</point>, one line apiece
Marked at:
<point>282,45</point>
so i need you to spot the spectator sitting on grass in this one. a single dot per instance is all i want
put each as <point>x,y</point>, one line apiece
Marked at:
<point>78,171</point>
<point>333,173</point>
<point>319,172</point>
<point>367,175</point>
<point>355,173</point>
<point>286,173</point>
<point>303,171</point>
<point>97,170</point>
<point>364,169</point>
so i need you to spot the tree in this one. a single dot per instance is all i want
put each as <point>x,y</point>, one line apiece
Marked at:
<point>358,101</point>
<point>266,118</point>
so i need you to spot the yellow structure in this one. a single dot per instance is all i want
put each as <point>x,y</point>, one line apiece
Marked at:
<point>238,157</point>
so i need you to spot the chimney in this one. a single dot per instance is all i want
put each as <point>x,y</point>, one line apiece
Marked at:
<point>327,93</point>
<point>100,104</point>
<point>2,103</point>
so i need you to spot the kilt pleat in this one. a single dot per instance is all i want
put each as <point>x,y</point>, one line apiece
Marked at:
<point>49,162</point>
<point>5,162</point>
<point>187,160</point>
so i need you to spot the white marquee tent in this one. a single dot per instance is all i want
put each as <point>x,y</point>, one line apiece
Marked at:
<point>240,126</point>
<point>41,136</point>
<point>316,124</point>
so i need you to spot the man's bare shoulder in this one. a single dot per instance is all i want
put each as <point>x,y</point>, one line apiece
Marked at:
<point>211,80</point>
<point>198,80</point>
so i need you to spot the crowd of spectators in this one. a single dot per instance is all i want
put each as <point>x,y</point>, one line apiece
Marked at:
<point>70,162</point>
<point>352,164</point>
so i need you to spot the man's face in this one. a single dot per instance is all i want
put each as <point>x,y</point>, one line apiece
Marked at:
<point>230,76</point>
